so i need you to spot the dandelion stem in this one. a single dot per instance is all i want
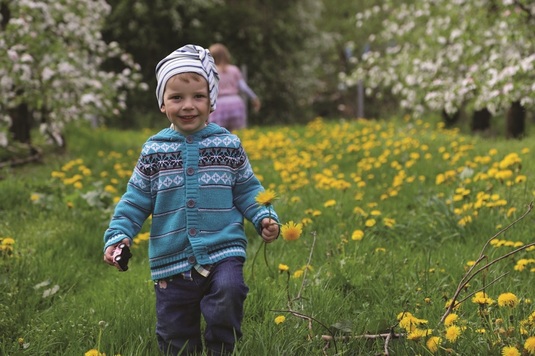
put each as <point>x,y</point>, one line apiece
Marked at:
<point>254,258</point>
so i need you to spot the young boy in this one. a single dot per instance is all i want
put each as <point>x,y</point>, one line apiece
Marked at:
<point>196,181</point>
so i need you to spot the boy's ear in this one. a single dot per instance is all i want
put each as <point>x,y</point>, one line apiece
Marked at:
<point>162,108</point>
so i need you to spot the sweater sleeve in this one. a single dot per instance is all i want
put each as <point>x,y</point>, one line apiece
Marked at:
<point>245,191</point>
<point>132,210</point>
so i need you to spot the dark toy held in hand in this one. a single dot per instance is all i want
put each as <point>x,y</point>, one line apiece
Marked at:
<point>121,255</point>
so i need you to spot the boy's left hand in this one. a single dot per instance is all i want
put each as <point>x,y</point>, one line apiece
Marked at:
<point>270,230</point>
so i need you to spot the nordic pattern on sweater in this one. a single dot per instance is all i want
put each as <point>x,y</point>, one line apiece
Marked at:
<point>198,189</point>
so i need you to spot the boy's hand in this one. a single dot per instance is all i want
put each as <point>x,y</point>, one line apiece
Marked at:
<point>108,254</point>
<point>270,230</point>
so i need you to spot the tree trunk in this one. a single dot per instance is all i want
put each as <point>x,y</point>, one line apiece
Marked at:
<point>21,125</point>
<point>451,119</point>
<point>516,121</point>
<point>481,120</point>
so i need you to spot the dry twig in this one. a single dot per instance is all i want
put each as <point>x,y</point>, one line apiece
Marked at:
<point>470,274</point>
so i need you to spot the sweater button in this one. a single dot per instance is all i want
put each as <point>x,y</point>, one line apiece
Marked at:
<point>189,139</point>
<point>193,231</point>
<point>191,203</point>
<point>190,171</point>
<point>192,260</point>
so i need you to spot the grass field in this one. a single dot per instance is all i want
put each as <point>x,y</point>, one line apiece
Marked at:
<point>394,214</point>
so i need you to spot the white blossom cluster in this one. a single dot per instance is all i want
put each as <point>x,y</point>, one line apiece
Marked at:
<point>443,54</point>
<point>51,56</point>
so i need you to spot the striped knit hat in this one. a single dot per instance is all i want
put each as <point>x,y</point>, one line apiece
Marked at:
<point>189,58</point>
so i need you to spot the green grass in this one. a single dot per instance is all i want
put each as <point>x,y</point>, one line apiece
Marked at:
<point>332,176</point>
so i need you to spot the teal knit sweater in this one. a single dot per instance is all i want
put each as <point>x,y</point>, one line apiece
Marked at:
<point>198,189</point>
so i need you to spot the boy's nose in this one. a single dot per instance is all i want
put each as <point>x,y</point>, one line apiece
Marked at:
<point>188,103</point>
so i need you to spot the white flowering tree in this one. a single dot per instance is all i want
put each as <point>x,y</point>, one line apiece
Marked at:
<point>51,67</point>
<point>443,55</point>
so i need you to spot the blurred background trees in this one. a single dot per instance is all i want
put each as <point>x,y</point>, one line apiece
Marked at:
<point>94,60</point>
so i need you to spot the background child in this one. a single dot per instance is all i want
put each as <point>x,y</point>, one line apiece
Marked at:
<point>196,181</point>
<point>231,112</point>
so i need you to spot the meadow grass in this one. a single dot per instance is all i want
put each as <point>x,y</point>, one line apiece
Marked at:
<point>393,214</point>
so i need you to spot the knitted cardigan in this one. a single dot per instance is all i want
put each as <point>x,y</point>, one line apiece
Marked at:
<point>198,189</point>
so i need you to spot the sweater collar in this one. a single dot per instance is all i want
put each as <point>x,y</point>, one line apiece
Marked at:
<point>170,134</point>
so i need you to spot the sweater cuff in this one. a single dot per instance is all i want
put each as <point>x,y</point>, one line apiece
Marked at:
<point>115,240</point>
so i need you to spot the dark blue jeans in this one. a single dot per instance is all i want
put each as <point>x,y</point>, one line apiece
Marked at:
<point>219,298</point>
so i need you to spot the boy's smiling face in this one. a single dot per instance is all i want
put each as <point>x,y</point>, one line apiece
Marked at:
<point>186,102</point>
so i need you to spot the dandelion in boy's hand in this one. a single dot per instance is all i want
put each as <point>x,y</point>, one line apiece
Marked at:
<point>280,319</point>
<point>291,231</point>
<point>510,351</point>
<point>266,197</point>
<point>507,300</point>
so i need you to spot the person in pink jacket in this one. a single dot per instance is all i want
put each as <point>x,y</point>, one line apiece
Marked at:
<point>231,111</point>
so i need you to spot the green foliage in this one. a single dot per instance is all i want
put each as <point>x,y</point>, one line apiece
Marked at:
<point>279,42</point>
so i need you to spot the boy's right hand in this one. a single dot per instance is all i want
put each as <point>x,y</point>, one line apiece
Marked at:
<point>108,254</point>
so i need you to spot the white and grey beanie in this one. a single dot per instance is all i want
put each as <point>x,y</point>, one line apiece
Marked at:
<point>188,59</point>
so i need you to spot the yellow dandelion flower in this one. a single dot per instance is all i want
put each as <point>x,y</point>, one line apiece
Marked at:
<point>520,178</point>
<point>529,345</point>
<point>359,211</point>
<point>298,273</point>
<point>110,189</point>
<point>510,351</point>
<point>417,334</point>
<point>295,199</point>
<point>265,197</point>
<point>329,203</point>
<point>451,319</point>
<point>482,298</point>
<point>357,235</point>
<point>56,174</point>
<point>370,222</point>
<point>389,222</point>
<point>280,319</point>
<point>433,343</point>
<point>507,300</point>
<point>456,305</point>
<point>306,221</point>
<point>7,241</point>
<point>452,333</point>
<point>94,352</point>
<point>283,267</point>
<point>291,231</point>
